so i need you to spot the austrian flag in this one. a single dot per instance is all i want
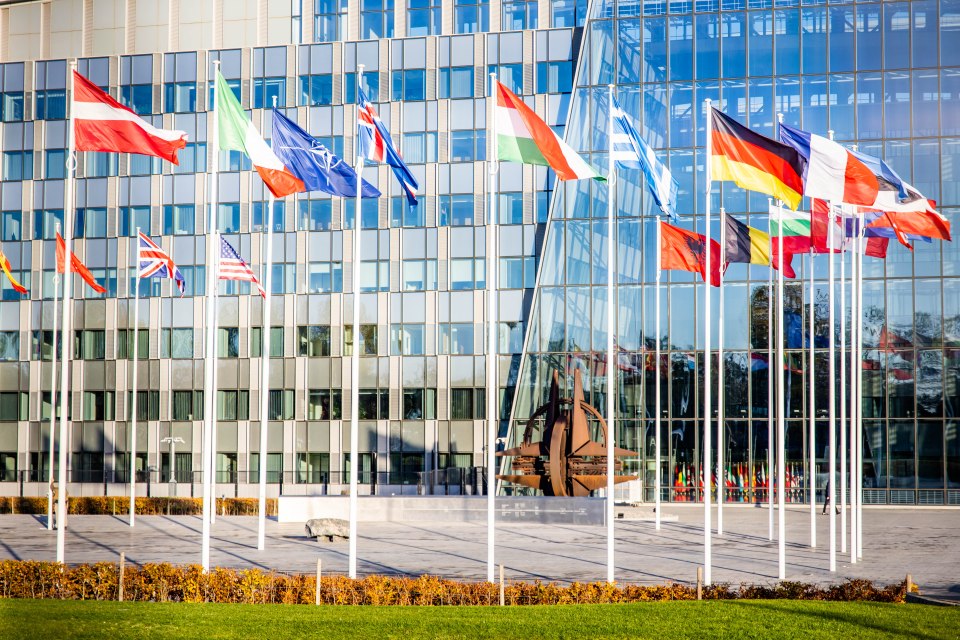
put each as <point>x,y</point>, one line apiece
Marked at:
<point>103,124</point>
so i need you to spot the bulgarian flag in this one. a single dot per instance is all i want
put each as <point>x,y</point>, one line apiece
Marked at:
<point>237,133</point>
<point>523,137</point>
<point>796,227</point>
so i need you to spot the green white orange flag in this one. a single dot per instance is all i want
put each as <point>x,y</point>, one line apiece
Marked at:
<point>237,133</point>
<point>523,137</point>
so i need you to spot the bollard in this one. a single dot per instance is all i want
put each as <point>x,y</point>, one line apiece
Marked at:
<point>120,579</point>
<point>699,583</point>
<point>502,598</point>
<point>318,582</point>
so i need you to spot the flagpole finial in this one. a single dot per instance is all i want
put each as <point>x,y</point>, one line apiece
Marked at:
<point>708,102</point>
<point>780,118</point>
<point>830,133</point>
<point>274,102</point>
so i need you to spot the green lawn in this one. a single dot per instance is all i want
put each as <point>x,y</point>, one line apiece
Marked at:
<point>743,619</point>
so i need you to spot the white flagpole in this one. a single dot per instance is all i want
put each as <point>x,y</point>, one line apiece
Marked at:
<point>210,360</point>
<point>133,402</point>
<point>265,375</point>
<point>831,408</point>
<point>657,384</point>
<point>859,395</point>
<point>69,193</point>
<point>843,414</point>
<point>843,379</point>
<point>707,467</point>
<point>492,383</point>
<point>355,354</point>
<point>53,397</point>
<point>611,357</point>
<point>812,382</point>
<point>721,376</point>
<point>768,476</point>
<point>781,408</point>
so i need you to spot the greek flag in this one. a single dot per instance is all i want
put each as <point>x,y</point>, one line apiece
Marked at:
<point>631,152</point>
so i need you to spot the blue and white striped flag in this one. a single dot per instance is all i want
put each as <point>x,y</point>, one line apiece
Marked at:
<point>631,152</point>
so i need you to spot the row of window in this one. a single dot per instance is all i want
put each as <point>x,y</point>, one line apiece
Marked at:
<point>322,404</point>
<point>423,17</point>
<point>312,341</point>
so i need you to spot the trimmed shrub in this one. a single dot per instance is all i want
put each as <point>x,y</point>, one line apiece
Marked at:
<point>169,583</point>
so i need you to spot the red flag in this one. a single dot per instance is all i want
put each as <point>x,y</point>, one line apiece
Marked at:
<point>76,266</point>
<point>684,250</point>
<point>928,224</point>
<point>103,124</point>
<point>877,247</point>
<point>5,265</point>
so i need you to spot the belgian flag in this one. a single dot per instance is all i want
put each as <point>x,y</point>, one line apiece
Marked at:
<point>744,244</point>
<point>753,161</point>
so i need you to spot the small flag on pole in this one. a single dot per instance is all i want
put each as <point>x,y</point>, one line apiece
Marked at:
<point>156,263</point>
<point>745,244</point>
<point>377,145</point>
<point>232,267</point>
<point>103,124</point>
<point>5,265</point>
<point>684,250</point>
<point>76,266</point>
<point>630,151</point>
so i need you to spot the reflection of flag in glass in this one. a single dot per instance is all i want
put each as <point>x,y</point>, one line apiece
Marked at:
<point>232,266</point>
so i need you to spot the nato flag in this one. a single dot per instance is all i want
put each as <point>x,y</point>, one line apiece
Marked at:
<point>313,163</point>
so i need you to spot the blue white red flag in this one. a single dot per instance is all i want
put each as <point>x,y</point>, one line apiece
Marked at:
<point>630,151</point>
<point>156,263</point>
<point>377,145</point>
<point>232,267</point>
<point>832,173</point>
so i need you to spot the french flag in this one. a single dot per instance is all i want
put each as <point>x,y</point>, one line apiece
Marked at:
<point>103,124</point>
<point>832,173</point>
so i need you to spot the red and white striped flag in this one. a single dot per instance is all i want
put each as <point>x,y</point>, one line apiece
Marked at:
<point>103,124</point>
<point>232,266</point>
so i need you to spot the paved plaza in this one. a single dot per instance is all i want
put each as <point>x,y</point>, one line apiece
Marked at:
<point>922,542</point>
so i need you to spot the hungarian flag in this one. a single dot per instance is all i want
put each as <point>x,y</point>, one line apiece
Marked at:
<point>754,161</point>
<point>5,265</point>
<point>744,244</point>
<point>103,124</point>
<point>523,137</point>
<point>684,250</point>
<point>237,133</point>
<point>76,266</point>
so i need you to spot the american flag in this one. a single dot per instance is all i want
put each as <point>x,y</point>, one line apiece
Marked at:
<point>156,263</point>
<point>377,145</point>
<point>232,266</point>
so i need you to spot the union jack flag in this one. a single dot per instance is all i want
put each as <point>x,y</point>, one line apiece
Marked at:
<point>377,145</point>
<point>232,266</point>
<point>156,263</point>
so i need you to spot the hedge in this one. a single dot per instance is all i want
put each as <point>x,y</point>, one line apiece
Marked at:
<point>110,505</point>
<point>169,583</point>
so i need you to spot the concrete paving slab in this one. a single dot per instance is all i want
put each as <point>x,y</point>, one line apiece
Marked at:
<point>924,542</point>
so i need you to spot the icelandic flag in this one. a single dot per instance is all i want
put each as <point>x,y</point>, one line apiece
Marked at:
<point>313,163</point>
<point>832,173</point>
<point>156,263</point>
<point>630,151</point>
<point>377,145</point>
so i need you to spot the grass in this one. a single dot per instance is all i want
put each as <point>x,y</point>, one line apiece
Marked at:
<point>732,619</point>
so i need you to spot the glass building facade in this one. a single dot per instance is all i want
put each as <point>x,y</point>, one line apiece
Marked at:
<point>884,76</point>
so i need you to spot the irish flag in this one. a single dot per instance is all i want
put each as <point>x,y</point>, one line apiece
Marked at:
<point>237,133</point>
<point>523,137</point>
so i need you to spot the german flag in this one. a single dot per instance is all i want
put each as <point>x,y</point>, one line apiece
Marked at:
<point>753,161</point>
<point>744,244</point>
<point>683,250</point>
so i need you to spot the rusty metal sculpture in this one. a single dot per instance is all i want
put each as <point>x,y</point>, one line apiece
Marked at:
<point>565,462</point>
